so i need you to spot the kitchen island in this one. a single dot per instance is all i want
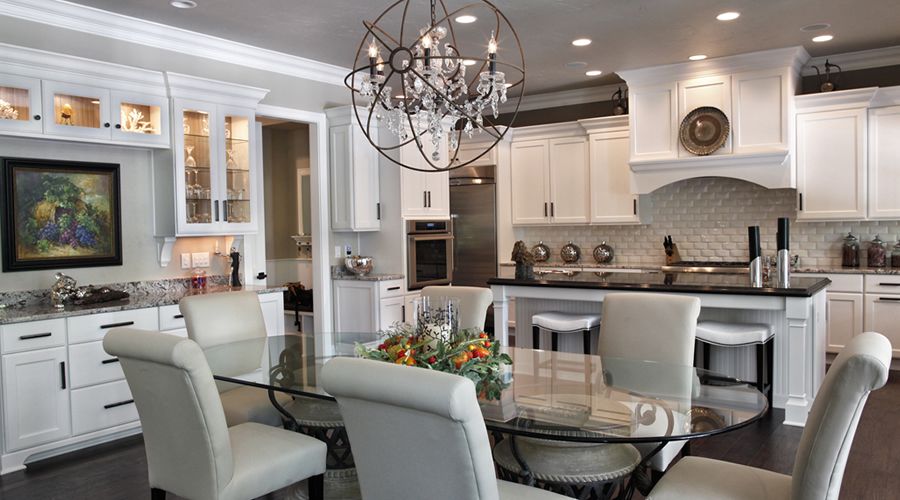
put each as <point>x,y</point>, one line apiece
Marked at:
<point>796,315</point>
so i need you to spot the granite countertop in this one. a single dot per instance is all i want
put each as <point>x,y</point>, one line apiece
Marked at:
<point>370,277</point>
<point>732,284</point>
<point>895,271</point>
<point>586,265</point>
<point>890,271</point>
<point>148,297</point>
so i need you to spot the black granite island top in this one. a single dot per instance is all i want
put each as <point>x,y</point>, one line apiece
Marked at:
<point>727,284</point>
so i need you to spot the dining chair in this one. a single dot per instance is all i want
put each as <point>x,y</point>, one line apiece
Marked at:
<point>191,452</point>
<point>221,318</point>
<point>652,327</point>
<point>473,302</point>
<point>417,433</point>
<point>861,367</point>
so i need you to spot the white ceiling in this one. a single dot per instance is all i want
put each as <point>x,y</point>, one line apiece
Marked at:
<point>626,34</point>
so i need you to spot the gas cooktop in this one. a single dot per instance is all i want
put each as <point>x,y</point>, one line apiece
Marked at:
<point>717,267</point>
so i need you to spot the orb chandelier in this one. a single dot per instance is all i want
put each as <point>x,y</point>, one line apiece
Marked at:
<point>417,83</point>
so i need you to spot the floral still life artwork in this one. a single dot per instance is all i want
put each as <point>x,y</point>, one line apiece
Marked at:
<point>60,214</point>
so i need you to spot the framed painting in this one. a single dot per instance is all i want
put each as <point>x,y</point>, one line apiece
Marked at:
<point>60,214</point>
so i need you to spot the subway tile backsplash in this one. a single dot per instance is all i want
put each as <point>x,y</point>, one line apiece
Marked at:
<point>708,219</point>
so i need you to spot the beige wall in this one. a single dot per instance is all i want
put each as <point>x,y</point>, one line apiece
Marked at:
<point>284,153</point>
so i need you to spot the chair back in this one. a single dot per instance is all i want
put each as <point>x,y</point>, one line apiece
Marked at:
<point>223,318</point>
<point>861,367</point>
<point>185,435</point>
<point>649,326</point>
<point>473,302</point>
<point>423,425</point>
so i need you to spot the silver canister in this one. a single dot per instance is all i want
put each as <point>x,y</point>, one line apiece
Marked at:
<point>783,269</point>
<point>756,277</point>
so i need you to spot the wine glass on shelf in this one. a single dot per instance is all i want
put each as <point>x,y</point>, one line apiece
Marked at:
<point>205,123</point>
<point>230,164</point>
<point>192,215</point>
<point>189,161</point>
<point>188,184</point>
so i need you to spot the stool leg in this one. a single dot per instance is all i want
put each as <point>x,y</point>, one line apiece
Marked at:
<point>535,337</point>
<point>770,369</point>
<point>760,367</point>
<point>587,342</point>
<point>554,341</point>
<point>705,355</point>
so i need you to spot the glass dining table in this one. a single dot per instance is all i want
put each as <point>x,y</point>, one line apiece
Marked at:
<point>555,397</point>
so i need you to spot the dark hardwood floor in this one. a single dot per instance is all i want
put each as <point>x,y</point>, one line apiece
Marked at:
<point>119,470</point>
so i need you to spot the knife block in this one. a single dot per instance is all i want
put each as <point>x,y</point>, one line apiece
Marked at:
<point>675,257</point>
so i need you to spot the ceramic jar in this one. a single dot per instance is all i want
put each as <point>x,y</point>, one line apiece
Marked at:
<point>877,253</point>
<point>850,251</point>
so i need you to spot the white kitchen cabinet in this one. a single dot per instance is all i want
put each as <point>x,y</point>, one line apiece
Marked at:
<point>423,194</point>
<point>760,110</point>
<point>653,113</point>
<point>409,307</point>
<point>610,180</point>
<point>272,305</point>
<point>391,311</point>
<point>882,315</point>
<point>101,407</point>
<point>36,398</point>
<point>367,306</point>
<point>712,91</point>
<point>530,182</point>
<point>844,312</point>
<point>76,110</point>
<point>569,184</point>
<point>831,164</point>
<point>139,118</point>
<point>884,163</point>
<point>353,164</point>
<point>23,95</point>
<point>469,150</point>
<point>92,327</point>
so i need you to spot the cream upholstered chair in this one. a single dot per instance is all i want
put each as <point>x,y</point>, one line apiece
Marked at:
<point>861,367</point>
<point>425,424</point>
<point>653,327</point>
<point>190,450</point>
<point>220,318</point>
<point>473,302</point>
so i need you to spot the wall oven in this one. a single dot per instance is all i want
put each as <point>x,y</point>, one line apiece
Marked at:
<point>429,253</point>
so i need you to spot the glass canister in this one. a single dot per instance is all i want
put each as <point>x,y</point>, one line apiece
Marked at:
<point>877,253</point>
<point>850,251</point>
<point>895,255</point>
<point>198,279</point>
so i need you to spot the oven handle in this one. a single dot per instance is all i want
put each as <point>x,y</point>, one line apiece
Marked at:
<point>453,218</point>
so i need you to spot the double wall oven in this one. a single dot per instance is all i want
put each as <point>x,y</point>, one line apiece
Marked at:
<point>429,253</point>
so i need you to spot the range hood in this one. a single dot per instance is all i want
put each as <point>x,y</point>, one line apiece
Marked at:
<point>755,92</point>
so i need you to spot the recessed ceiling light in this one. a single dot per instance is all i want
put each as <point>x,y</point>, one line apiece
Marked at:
<point>183,4</point>
<point>815,27</point>
<point>728,16</point>
<point>469,62</point>
<point>581,42</point>
<point>823,38</point>
<point>576,65</point>
<point>466,19</point>
<point>697,57</point>
<point>593,72</point>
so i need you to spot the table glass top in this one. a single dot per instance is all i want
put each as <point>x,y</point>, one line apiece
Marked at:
<point>556,395</point>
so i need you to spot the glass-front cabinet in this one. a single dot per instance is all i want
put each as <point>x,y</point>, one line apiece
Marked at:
<point>20,104</point>
<point>140,118</point>
<point>76,110</point>
<point>215,176</point>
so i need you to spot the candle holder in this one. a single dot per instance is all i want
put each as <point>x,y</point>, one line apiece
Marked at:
<point>437,317</point>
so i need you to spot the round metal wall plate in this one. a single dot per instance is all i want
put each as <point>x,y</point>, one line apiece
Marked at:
<point>704,130</point>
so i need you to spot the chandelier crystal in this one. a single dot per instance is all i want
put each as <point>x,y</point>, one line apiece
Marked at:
<point>436,101</point>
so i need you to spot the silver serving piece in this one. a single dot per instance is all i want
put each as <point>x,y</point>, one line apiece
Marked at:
<point>756,275</point>
<point>783,268</point>
<point>359,265</point>
<point>541,252</point>
<point>62,290</point>
<point>570,253</point>
<point>603,253</point>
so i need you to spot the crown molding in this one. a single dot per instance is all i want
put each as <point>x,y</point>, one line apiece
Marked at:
<point>194,87</point>
<point>94,21</point>
<point>851,61</point>
<point>840,99</point>
<point>546,100</point>
<point>792,57</point>
<point>605,124</point>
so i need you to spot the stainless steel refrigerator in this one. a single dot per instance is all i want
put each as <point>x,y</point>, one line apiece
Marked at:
<point>473,208</point>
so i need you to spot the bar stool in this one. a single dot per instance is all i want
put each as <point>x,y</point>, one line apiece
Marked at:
<point>557,322</point>
<point>738,335</point>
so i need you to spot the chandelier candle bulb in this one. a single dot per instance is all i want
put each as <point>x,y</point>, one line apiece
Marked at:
<point>783,258</point>
<point>756,280</point>
<point>373,57</point>
<point>492,54</point>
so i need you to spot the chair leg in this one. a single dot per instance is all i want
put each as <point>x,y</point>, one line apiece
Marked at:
<point>554,342</point>
<point>587,342</point>
<point>535,337</point>
<point>770,369</point>
<point>705,355</point>
<point>760,368</point>
<point>316,486</point>
<point>157,494</point>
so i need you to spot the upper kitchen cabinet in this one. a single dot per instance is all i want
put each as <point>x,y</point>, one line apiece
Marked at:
<point>530,186</point>
<point>105,103</point>
<point>714,91</point>
<point>215,180</point>
<point>884,163</point>
<point>612,201</point>
<point>423,194</point>
<point>353,164</point>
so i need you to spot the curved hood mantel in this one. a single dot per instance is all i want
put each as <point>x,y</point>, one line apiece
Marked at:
<point>768,169</point>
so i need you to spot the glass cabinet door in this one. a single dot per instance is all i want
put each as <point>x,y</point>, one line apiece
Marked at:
<point>140,118</point>
<point>196,162</point>
<point>238,193</point>
<point>76,110</point>
<point>20,104</point>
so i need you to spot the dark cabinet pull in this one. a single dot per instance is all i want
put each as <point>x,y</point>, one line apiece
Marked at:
<point>545,209</point>
<point>116,325</point>
<point>179,316</point>
<point>37,117</point>
<point>217,210</point>
<point>260,276</point>
<point>225,210</point>
<point>403,312</point>
<point>634,206</point>
<point>880,284</point>
<point>120,403</point>
<point>425,199</point>
<point>109,361</point>
<point>106,125</point>
<point>118,125</point>
<point>391,289</point>
<point>62,374</point>
<point>552,210</point>
<point>35,336</point>
<point>801,202</point>
<point>378,211</point>
<point>889,299</point>
<point>429,199</point>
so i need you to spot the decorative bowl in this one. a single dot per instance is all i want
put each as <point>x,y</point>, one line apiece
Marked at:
<point>359,265</point>
<point>603,253</point>
<point>570,253</point>
<point>541,252</point>
<point>704,130</point>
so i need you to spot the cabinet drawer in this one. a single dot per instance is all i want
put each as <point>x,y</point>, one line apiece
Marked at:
<point>883,316</point>
<point>95,326</point>
<point>90,364</point>
<point>882,283</point>
<point>101,407</point>
<point>847,283</point>
<point>32,335</point>
<point>170,317</point>
<point>391,288</point>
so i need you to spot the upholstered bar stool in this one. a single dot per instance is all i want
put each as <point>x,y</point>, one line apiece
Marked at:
<point>739,335</point>
<point>566,323</point>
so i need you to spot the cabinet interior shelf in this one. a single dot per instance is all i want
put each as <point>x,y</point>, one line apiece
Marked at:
<point>197,136</point>
<point>236,141</point>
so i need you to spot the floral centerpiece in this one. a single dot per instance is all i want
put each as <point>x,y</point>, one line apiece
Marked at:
<point>469,353</point>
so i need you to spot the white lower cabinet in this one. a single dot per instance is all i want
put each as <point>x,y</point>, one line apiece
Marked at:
<point>101,407</point>
<point>409,307</point>
<point>391,311</point>
<point>35,398</point>
<point>883,316</point>
<point>845,318</point>
<point>89,365</point>
<point>367,306</point>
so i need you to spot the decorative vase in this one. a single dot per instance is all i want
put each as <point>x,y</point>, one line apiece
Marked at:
<point>437,317</point>
<point>524,271</point>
